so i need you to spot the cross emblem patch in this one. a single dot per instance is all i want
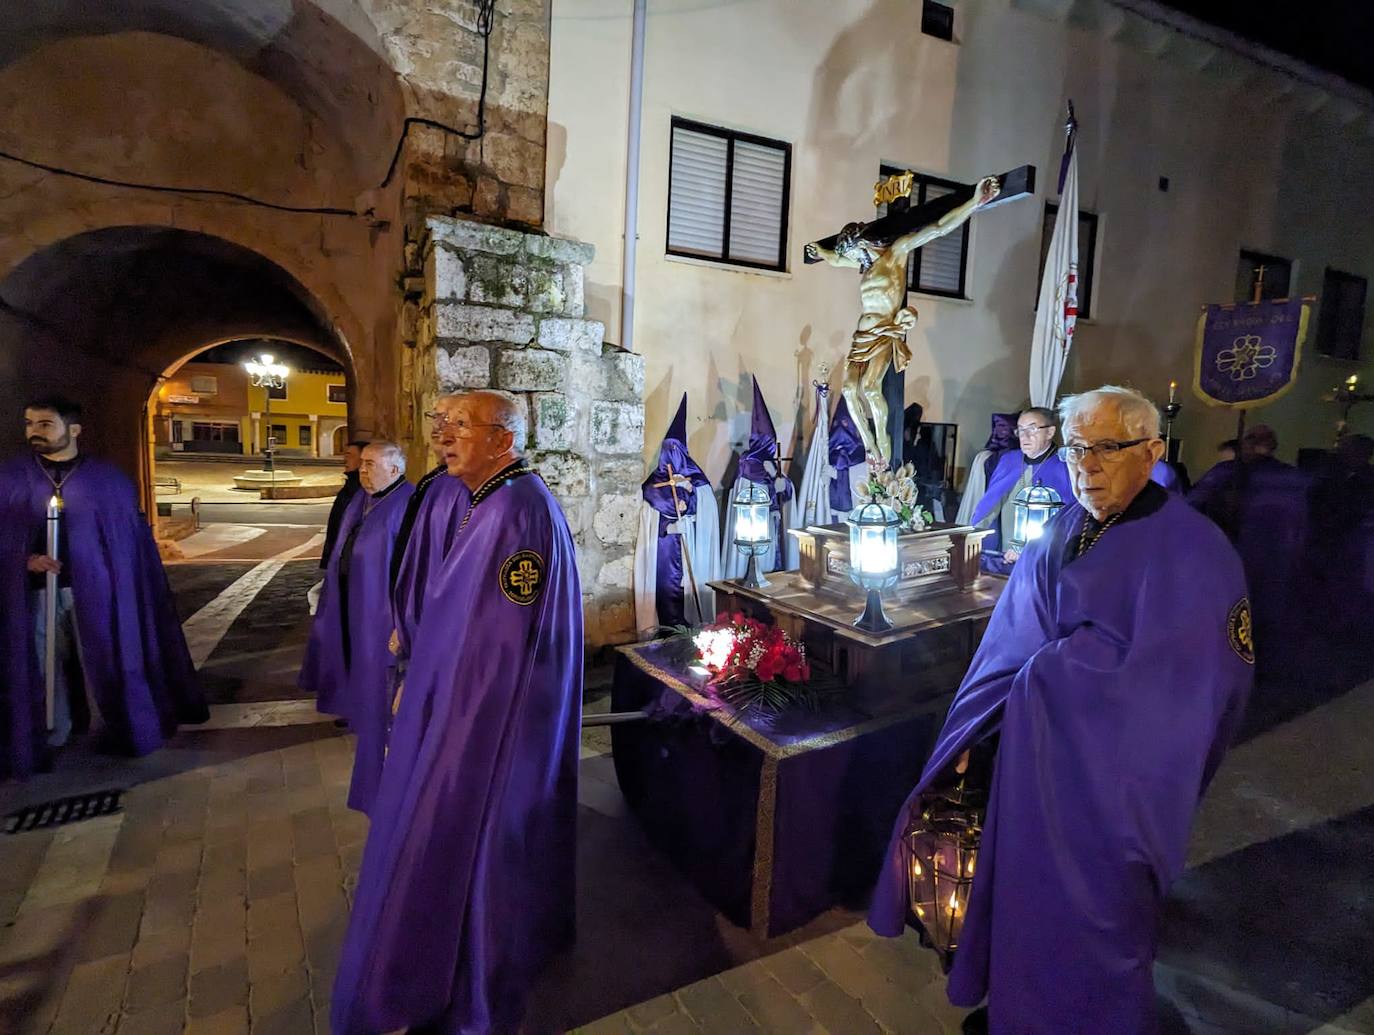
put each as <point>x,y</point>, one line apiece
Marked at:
<point>522,577</point>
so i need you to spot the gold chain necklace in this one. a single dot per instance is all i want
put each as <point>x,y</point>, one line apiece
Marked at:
<point>57,483</point>
<point>1085,544</point>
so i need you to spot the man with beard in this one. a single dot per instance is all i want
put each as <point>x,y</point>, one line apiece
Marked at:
<point>118,639</point>
<point>467,888</point>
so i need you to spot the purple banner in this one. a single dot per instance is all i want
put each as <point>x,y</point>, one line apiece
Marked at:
<point>1248,353</point>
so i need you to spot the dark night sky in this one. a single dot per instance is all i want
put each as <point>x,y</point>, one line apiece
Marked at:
<point>1332,34</point>
<point>298,357</point>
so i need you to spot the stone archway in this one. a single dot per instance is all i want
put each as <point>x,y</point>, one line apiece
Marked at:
<point>103,317</point>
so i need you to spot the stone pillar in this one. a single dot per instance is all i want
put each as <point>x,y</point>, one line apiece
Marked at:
<point>254,442</point>
<point>504,309</point>
<point>315,435</point>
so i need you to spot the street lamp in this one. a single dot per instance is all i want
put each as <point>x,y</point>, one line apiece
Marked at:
<point>873,559</point>
<point>753,529</point>
<point>267,374</point>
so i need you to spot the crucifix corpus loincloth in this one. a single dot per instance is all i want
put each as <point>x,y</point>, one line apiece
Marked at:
<point>880,250</point>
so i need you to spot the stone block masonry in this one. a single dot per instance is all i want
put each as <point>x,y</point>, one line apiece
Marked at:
<point>504,309</point>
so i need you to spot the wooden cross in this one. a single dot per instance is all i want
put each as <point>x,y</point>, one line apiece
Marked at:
<point>1012,186</point>
<point>680,506</point>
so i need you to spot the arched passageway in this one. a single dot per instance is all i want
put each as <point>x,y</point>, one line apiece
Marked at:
<point>104,317</point>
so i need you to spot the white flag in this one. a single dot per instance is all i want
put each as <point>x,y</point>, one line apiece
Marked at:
<point>1056,312</point>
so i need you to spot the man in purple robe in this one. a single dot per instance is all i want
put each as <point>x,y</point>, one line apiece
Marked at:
<point>1112,674</point>
<point>353,622</point>
<point>1035,463</point>
<point>1264,507</point>
<point>467,885</point>
<point>118,638</point>
<point>432,516</point>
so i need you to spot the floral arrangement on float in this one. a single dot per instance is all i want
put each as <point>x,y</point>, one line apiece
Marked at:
<point>896,489</point>
<point>753,666</point>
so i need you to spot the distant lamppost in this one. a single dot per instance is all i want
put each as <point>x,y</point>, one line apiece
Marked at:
<point>268,375</point>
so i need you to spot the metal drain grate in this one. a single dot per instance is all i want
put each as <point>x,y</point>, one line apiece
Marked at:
<point>63,810</point>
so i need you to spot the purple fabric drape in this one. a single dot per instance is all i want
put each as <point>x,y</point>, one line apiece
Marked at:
<point>1114,685</point>
<point>699,787</point>
<point>467,882</point>
<point>134,657</point>
<point>846,451</point>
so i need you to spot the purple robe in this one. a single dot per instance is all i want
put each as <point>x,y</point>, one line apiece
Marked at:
<point>1164,474</point>
<point>1114,682</point>
<point>354,622</point>
<point>467,884</point>
<point>1051,472</point>
<point>1265,509</point>
<point>669,579</point>
<point>443,503</point>
<point>846,451</point>
<point>134,658</point>
<point>1001,438</point>
<point>761,464</point>
<point>324,670</point>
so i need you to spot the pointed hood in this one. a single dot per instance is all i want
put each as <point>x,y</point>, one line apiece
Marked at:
<point>759,462</point>
<point>846,448</point>
<point>673,453</point>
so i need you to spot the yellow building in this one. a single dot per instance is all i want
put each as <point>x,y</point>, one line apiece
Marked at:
<point>211,408</point>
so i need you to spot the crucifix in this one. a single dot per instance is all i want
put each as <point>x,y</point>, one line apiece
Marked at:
<point>874,383</point>
<point>680,506</point>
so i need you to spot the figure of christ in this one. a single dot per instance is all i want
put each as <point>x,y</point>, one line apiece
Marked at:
<point>879,340</point>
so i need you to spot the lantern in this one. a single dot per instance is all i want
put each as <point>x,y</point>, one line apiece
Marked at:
<point>1032,510</point>
<point>753,529</point>
<point>873,559</point>
<point>941,850</point>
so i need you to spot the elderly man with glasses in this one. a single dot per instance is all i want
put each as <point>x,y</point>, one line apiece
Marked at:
<point>1035,463</point>
<point>1113,672</point>
<point>466,888</point>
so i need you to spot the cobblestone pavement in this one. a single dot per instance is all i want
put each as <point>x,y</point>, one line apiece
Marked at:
<point>215,902</point>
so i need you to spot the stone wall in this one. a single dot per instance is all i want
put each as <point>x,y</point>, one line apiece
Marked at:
<point>503,309</point>
<point>435,47</point>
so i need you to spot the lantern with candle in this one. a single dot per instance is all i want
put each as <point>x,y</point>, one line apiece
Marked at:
<point>1032,509</point>
<point>753,529</point>
<point>941,851</point>
<point>873,559</point>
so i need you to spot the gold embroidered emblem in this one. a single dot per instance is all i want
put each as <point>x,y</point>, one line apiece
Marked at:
<point>522,576</point>
<point>1240,631</point>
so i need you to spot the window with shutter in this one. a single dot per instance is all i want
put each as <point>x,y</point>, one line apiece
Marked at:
<point>941,267</point>
<point>1342,314</point>
<point>727,196</point>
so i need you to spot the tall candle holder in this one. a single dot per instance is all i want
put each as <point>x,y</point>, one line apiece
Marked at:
<point>1171,411</point>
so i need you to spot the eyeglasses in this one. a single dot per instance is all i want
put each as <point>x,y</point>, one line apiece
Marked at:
<point>462,427</point>
<point>1029,428</point>
<point>1108,452</point>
